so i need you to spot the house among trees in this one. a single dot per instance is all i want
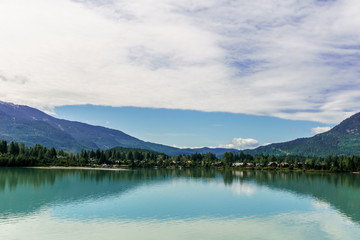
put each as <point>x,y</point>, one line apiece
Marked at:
<point>273,164</point>
<point>218,164</point>
<point>238,164</point>
<point>284,165</point>
<point>299,164</point>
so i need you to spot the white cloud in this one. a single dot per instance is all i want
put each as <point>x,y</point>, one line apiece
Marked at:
<point>241,143</point>
<point>290,59</point>
<point>318,130</point>
<point>266,144</point>
<point>236,143</point>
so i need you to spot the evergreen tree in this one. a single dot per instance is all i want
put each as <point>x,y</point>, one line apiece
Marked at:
<point>3,147</point>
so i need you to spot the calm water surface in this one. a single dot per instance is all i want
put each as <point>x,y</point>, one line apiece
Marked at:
<point>177,204</point>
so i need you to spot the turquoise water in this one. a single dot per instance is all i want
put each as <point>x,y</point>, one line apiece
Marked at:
<point>177,204</point>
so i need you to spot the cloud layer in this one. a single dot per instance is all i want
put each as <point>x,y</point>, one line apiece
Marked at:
<point>290,59</point>
<point>241,143</point>
<point>318,130</point>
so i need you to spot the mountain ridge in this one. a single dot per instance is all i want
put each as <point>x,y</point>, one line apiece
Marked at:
<point>29,125</point>
<point>343,139</point>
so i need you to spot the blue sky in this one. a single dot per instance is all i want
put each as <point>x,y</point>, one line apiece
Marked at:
<point>185,128</point>
<point>291,60</point>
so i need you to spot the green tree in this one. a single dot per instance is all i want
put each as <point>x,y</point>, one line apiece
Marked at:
<point>3,147</point>
<point>14,148</point>
<point>228,158</point>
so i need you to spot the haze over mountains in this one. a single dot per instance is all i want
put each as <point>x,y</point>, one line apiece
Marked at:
<point>28,125</point>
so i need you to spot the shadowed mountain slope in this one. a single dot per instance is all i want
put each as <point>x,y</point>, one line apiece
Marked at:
<point>343,139</point>
<point>28,125</point>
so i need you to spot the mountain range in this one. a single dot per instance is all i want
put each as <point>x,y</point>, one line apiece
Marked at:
<point>343,139</point>
<point>31,126</point>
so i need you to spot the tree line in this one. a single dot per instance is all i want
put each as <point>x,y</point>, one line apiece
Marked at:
<point>15,154</point>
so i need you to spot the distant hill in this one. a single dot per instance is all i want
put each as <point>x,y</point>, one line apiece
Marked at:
<point>28,125</point>
<point>343,139</point>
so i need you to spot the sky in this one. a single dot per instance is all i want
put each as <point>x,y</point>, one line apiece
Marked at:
<point>272,63</point>
<point>189,128</point>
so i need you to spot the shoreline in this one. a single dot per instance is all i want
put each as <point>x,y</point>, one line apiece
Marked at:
<point>79,168</point>
<point>239,169</point>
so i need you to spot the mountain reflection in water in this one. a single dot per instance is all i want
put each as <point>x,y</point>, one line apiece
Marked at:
<point>24,191</point>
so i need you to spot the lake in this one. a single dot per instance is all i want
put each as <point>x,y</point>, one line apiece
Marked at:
<point>177,204</point>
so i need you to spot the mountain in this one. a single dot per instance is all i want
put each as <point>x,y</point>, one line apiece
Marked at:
<point>343,139</point>
<point>28,125</point>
